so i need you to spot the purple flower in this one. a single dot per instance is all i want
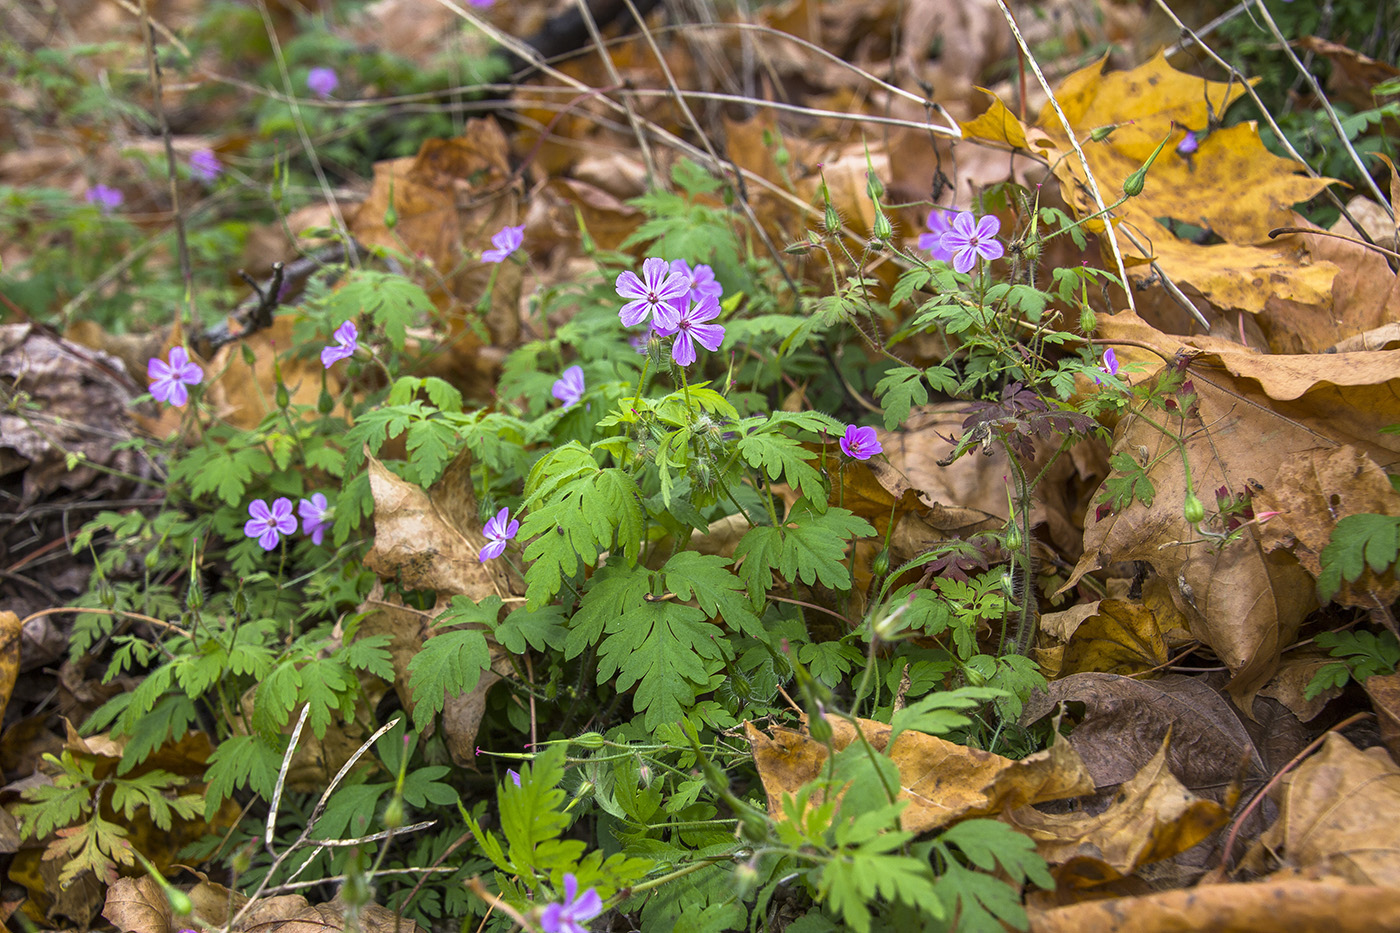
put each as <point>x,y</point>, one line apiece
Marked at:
<point>322,82</point>
<point>968,238</point>
<point>690,328</point>
<point>860,443</point>
<point>482,3</point>
<point>569,388</point>
<point>933,240</point>
<point>507,241</point>
<point>269,524</point>
<point>1189,143</point>
<point>313,517</point>
<point>702,281</point>
<point>205,164</point>
<point>104,198</point>
<point>168,380</point>
<point>497,534</point>
<point>514,775</point>
<point>1110,364</point>
<point>569,916</point>
<point>347,339</point>
<point>651,294</point>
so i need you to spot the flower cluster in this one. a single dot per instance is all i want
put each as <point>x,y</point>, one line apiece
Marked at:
<point>268,523</point>
<point>680,302</point>
<point>961,239</point>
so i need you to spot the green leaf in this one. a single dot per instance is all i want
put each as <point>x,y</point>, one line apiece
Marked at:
<point>991,843</point>
<point>782,457</point>
<point>543,629</point>
<point>169,720</point>
<point>706,579</point>
<point>667,651</point>
<point>532,814</point>
<point>370,654</point>
<point>940,713</point>
<point>449,663</point>
<point>240,761</point>
<point>810,548</point>
<point>1358,541</point>
<point>1133,483</point>
<point>829,661</point>
<point>614,591</point>
<point>577,522</point>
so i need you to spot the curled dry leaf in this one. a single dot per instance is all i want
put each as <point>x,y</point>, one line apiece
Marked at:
<point>1339,815</point>
<point>942,781</point>
<point>1152,817</point>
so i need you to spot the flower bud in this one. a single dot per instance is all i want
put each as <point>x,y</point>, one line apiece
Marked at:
<point>883,229</point>
<point>590,740</point>
<point>284,398</point>
<point>1088,321</point>
<point>881,564</point>
<point>1099,133</point>
<point>326,403</point>
<point>394,816</point>
<point>1133,186</point>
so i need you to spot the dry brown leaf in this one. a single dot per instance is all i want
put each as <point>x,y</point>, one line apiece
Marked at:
<point>1384,691</point>
<point>1289,685</point>
<point>1292,906</point>
<point>138,905</point>
<point>1152,817</point>
<point>430,540</point>
<point>1245,600</point>
<point>1231,185</point>
<point>292,913</point>
<point>9,656</point>
<point>1339,816</point>
<point>1120,637</point>
<point>1314,491</point>
<point>1125,722</point>
<point>943,782</point>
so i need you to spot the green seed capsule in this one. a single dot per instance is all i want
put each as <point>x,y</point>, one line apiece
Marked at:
<point>180,903</point>
<point>590,740</point>
<point>394,816</point>
<point>1192,510</point>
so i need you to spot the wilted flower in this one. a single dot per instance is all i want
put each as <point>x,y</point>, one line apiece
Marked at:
<point>205,164</point>
<point>569,916</point>
<point>268,524</point>
<point>969,238</point>
<point>322,82</point>
<point>168,380</point>
<point>497,532</point>
<point>104,198</point>
<point>690,328</point>
<point>933,240</point>
<point>313,516</point>
<point>652,294</point>
<point>860,443</point>
<point>506,241</point>
<point>569,388</point>
<point>347,341</point>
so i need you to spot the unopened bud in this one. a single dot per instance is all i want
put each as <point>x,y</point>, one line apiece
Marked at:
<point>745,879</point>
<point>590,740</point>
<point>883,229</point>
<point>394,815</point>
<point>1088,321</point>
<point>1099,133</point>
<point>1133,186</point>
<point>1192,510</point>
